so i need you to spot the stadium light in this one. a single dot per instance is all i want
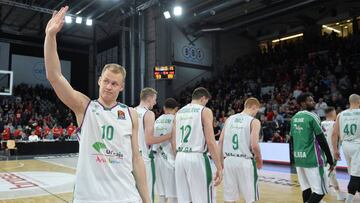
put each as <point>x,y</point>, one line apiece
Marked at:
<point>289,37</point>
<point>78,20</point>
<point>332,29</point>
<point>177,11</point>
<point>89,22</point>
<point>167,15</point>
<point>68,19</point>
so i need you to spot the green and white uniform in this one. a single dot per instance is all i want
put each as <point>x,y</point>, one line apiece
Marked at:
<point>309,158</point>
<point>104,168</point>
<point>145,152</point>
<point>240,172</point>
<point>165,162</point>
<point>192,166</point>
<point>328,128</point>
<point>349,121</point>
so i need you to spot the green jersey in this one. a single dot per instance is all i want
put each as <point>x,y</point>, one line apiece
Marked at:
<point>307,152</point>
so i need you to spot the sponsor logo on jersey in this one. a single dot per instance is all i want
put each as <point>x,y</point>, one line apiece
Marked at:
<point>299,154</point>
<point>106,155</point>
<point>121,115</point>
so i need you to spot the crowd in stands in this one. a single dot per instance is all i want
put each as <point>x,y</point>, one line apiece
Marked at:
<point>329,69</point>
<point>35,113</point>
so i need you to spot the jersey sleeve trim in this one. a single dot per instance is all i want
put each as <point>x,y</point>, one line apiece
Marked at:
<point>132,124</point>
<point>82,121</point>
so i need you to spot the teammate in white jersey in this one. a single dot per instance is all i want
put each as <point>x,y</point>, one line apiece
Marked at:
<point>165,162</point>
<point>239,145</point>
<point>193,136</point>
<point>148,98</point>
<point>328,127</point>
<point>347,129</point>
<point>109,150</point>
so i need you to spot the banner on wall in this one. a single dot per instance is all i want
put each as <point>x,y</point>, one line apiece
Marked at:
<point>31,70</point>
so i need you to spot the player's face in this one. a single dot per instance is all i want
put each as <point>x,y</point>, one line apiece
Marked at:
<point>110,85</point>
<point>310,104</point>
<point>153,101</point>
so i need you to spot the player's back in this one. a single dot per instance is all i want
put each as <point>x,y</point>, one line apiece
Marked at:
<point>305,126</point>
<point>189,129</point>
<point>237,140</point>
<point>328,128</point>
<point>163,125</point>
<point>349,122</point>
<point>145,149</point>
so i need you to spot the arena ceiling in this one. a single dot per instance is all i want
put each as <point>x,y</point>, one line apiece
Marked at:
<point>27,18</point>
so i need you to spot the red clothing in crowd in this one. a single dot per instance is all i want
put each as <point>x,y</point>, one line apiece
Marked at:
<point>38,131</point>
<point>17,134</point>
<point>6,134</point>
<point>46,131</point>
<point>57,132</point>
<point>70,130</point>
<point>270,115</point>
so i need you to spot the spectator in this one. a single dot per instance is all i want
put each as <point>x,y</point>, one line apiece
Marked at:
<point>70,130</point>
<point>217,130</point>
<point>57,131</point>
<point>33,137</point>
<point>320,108</point>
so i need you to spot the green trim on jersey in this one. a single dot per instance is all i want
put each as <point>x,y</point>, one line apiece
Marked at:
<point>304,128</point>
<point>208,176</point>
<point>151,156</point>
<point>255,180</point>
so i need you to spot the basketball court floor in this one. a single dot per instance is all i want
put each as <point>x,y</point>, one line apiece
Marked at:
<point>51,180</point>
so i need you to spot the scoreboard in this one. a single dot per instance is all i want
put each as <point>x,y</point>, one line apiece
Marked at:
<point>164,72</point>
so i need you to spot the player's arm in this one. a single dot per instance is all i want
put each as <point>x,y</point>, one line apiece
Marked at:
<point>207,119</point>
<point>254,140</point>
<point>138,162</point>
<point>75,100</point>
<point>149,121</point>
<point>221,146</point>
<point>335,139</point>
<point>320,138</point>
<point>173,137</point>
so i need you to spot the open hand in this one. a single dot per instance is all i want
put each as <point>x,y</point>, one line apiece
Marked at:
<point>56,22</point>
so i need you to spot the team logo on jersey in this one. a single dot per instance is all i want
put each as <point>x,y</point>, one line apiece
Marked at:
<point>121,115</point>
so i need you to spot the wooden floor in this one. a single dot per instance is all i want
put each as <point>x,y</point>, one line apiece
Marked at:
<point>275,186</point>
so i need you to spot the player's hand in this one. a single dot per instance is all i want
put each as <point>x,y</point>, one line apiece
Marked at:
<point>331,169</point>
<point>218,177</point>
<point>56,22</point>
<point>259,164</point>
<point>337,155</point>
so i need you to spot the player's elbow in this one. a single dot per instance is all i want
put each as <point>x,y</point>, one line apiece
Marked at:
<point>255,148</point>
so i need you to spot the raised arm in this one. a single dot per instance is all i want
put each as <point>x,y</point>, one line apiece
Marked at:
<point>254,139</point>
<point>75,100</point>
<point>138,162</point>
<point>335,139</point>
<point>207,119</point>
<point>149,121</point>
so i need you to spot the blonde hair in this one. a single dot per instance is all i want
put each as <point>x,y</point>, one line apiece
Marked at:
<point>354,98</point>
<point>147,92</point>
<point>114,68</point>
<point>251,102</point>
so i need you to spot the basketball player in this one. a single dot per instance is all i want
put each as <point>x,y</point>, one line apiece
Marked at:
<point>165,162</point>
<point>193,135</point>
<point>239,145</point>
<point>110,167</point>
<point>328,126</point>
<point>309,147</point>
<point>148,98</point>
<point>348,127</point>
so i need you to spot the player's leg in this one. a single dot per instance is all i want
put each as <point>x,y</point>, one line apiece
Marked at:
<point>199,177</point>
<point>231,179</point>
<point>182,186</point>
<point>354,183</point>
<point>304,183</point>
<point>319,183</point>
<point>149,178</point>
<point>333,182</point>
<point>170,183</point>
<point>249,180</point>
<point>160,179</point>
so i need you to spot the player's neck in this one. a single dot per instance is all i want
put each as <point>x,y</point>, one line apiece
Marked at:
<point>329,119</point>
<point>144,105</point>
<point>352,107</point>
<point>196,102</point>
<point>107,104</point>
<point>247,112</point>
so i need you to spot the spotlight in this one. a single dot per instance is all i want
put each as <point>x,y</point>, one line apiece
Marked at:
<point>167,15</point>
<point>177,11</point>
<point>89,22</point>
<point>68,19</point>
<point>78,20</point>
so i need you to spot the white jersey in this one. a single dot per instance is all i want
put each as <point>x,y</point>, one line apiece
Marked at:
<point>104,167</point>
<point>163,126</point>
<point>328,128</point>
<point>349,121</point>
<point>145,149</point>
<point>237,142</point>
<point>189,129</point>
